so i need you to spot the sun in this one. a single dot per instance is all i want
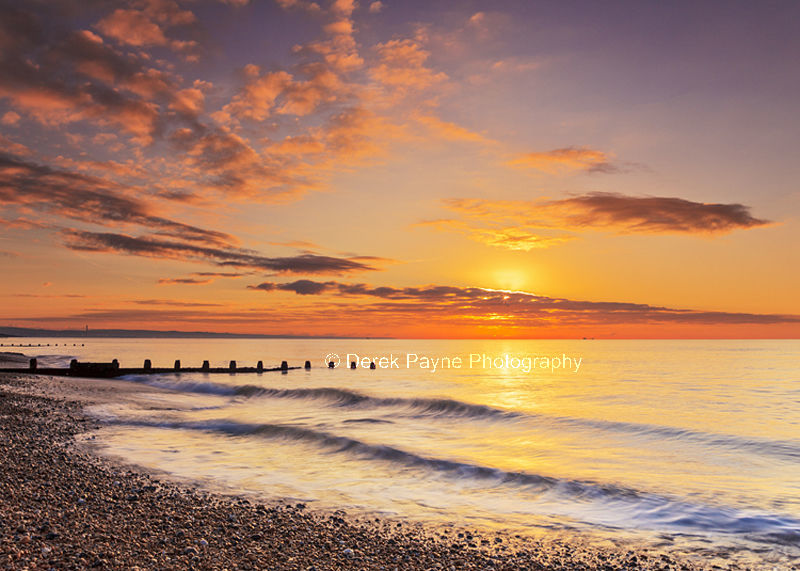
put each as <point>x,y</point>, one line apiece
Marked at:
<point>511,278</point>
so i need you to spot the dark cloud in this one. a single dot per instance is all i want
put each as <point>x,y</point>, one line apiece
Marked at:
<point>184,281</point>
<point>518,307</point>
<point>300,287</point>
<point>654,214</point>
<point>157,248</point>
<point>90,199</point>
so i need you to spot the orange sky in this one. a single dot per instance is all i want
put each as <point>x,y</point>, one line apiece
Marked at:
<point>409,169</point>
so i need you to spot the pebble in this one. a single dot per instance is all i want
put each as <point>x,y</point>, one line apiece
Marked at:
<point>42,478</point>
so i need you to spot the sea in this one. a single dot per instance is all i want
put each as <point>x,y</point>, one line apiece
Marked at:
<point>693,444</point>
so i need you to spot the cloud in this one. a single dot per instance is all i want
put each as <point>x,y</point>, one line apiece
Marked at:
<point>51,296</point>
<point>617,212</point>
<point>188,101</point>
<point>402,67</point>
<point>450,131</point>
<point>10,118</point>
<point>146,26</point>
<point>90,199</point>
<point>220,274</point>
<point>515,307</point>
<point>184,281</point>
<point>312,7</point>
<point>132,27</point>
<point>174,303</point>
<point>516,238</point>
<point>222,161</point>
<point>59,77</point>
<point>511,237</point>
<point>375,7</point>
<point>525,225</point>
<point>654,214</point>
<point>567,159</point>
<point>239,258</point>
<point>200,278</point>
<point>301,244</point>
<point>257,98</point>
<point>9,146</point>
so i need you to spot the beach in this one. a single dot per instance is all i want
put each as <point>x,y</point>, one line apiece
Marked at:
<point>63,507</point>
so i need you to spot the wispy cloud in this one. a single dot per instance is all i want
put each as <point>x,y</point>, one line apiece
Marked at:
<point>567,159</point>
<point>184,281</point>
<point>201,278</point>
<point>90,199</point>
<point>174,303</point>
<point>510,237</point>
<point>157,248</point>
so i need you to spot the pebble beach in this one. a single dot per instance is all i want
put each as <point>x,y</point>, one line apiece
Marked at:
<point>63,507</point>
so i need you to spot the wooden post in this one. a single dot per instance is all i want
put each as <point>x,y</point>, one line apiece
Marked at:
<point>33,364</point>
<point>177,364</point>
<point>232,366</point>
<point>284,366</point>
<point>115,364</point>
<point>73,364</point>
<point>352,364</point>
<point>260,366</point>
<point>147,365</point>
<point>331,365</point>
<point>308,365</point>
<point>372,365</point>
<point>206,366</point>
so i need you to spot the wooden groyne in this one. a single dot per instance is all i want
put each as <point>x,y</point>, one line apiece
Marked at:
<point>112,369</point>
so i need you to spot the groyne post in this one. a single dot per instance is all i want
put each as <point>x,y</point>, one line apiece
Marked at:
<point>206,366</point>
<point>177,364</point>
<point>260,366</point>
<point>33,364</point>
<point>232,366</point>
<point>147,365</point>
<point>308,365</point>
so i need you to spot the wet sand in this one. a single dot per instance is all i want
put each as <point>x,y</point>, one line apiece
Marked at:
<point>63,507</point>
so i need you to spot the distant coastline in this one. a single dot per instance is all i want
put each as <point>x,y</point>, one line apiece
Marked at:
<point>11,332</point>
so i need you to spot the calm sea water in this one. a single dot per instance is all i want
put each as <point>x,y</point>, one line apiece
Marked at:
<point>696,441</point>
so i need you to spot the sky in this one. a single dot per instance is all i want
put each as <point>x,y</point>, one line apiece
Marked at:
<point>422,169</point>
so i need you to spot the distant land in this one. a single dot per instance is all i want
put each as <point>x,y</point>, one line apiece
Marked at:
<point>146,333</point>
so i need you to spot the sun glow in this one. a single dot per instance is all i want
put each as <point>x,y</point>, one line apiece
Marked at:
<point>514,279</point>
